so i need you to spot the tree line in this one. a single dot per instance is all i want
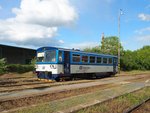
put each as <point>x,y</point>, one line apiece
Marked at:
<point>130,60</point>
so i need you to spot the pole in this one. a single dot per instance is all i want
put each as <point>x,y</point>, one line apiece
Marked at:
<point>119,42</point>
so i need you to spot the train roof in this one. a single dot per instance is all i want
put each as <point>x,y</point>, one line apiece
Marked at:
<point>73,50</point>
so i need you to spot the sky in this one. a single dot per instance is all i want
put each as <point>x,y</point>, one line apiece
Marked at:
<point>73,23</point>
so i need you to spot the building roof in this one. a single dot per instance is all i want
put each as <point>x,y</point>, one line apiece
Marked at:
<point>2,45</point>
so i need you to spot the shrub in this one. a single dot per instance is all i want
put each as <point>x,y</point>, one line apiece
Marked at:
<point>3,66</point>
<point>33,61</point>
<point>20,68</point>
<point>136,60</point>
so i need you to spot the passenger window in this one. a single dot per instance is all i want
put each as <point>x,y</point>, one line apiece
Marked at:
<point>99,60</point>
<point>84,59</point>
<point>110,61</point>
<point>115,61</point>
<point>60,56</point>
<point>104,60</point>
<point>92,59</point>
<point>76,58</point>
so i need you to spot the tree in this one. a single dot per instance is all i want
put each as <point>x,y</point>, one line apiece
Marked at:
<point>96,49</point>
<point>3,66</point>
<point>110,45</point>
<point>130,60</point>
<point>127,61</point>
<point>136,60</point>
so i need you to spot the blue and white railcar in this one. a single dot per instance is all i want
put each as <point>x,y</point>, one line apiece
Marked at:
<point>56,63</point>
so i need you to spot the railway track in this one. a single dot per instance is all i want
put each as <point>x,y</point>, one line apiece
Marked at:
<point>14,78</point>
<point>23,83</point>
<point>36,84</point>
<point>50,95</point>
<point>120,104</point>
<point>134,109</point>
<point>11,82</point>
<point>45,97</point>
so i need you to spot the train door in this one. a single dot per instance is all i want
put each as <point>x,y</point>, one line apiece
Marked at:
<point>66,62</point>
<point>114,65</point>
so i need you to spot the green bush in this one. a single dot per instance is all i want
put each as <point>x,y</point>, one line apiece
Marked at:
<point>20,68</point>
<point>3,66</point>
<point>33,61</point>
<point>136,60</point>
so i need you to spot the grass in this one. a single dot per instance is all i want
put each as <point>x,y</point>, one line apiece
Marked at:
<point>31,74</point>
<point>13,75</point>
<point>60,105</point>
<point>27,74</point>
<point>71,102</point>
<point>134,72</point>
<point>145,108</point>
<point>119,104</point>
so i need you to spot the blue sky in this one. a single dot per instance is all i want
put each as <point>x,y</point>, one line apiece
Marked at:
<point>73,23</point>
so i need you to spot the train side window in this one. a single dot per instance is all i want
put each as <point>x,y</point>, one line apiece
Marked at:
<point>84,59</point>
<point>92,59</point>
<point>110,60</point>
<point>76,58</point>
<point>104,60</point>
<point>99,59</point>
<point>115,61</point>
<point>60,56</point>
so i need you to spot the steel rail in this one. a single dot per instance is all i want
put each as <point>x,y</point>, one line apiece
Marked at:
<point>136,106</point>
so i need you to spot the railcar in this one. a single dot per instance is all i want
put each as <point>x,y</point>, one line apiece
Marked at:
<point>56,63</point>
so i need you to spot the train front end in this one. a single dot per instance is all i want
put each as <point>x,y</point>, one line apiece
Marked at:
<point>46,64</point>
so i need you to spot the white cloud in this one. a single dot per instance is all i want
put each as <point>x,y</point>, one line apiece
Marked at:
<point>61,41</point>
<point>46,12</point>
<point>143,31</point>
<point>84,45</point>
<point>15,31</point>
<point>144,38</point>
<point>37,21</point>
<point>143,35</point>
<point>144,17</point>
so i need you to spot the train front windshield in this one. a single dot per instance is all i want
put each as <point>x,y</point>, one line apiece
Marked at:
<point>47,56</point>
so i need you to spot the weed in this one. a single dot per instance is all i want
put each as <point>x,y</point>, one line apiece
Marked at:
<point>119,104</point>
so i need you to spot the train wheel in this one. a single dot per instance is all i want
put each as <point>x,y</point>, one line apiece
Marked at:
<point>57,79</point>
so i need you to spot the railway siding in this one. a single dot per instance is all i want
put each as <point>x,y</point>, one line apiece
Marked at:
<point>75,103</point>
<point>122,103</point>
<point>144,108</point>
<point>75,99</point>
<point>64,87</point>
<point>137,106</point>
<point>34,97</point>
<point>9,89</point>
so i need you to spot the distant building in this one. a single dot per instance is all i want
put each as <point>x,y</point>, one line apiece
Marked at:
<point>17,55</point>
